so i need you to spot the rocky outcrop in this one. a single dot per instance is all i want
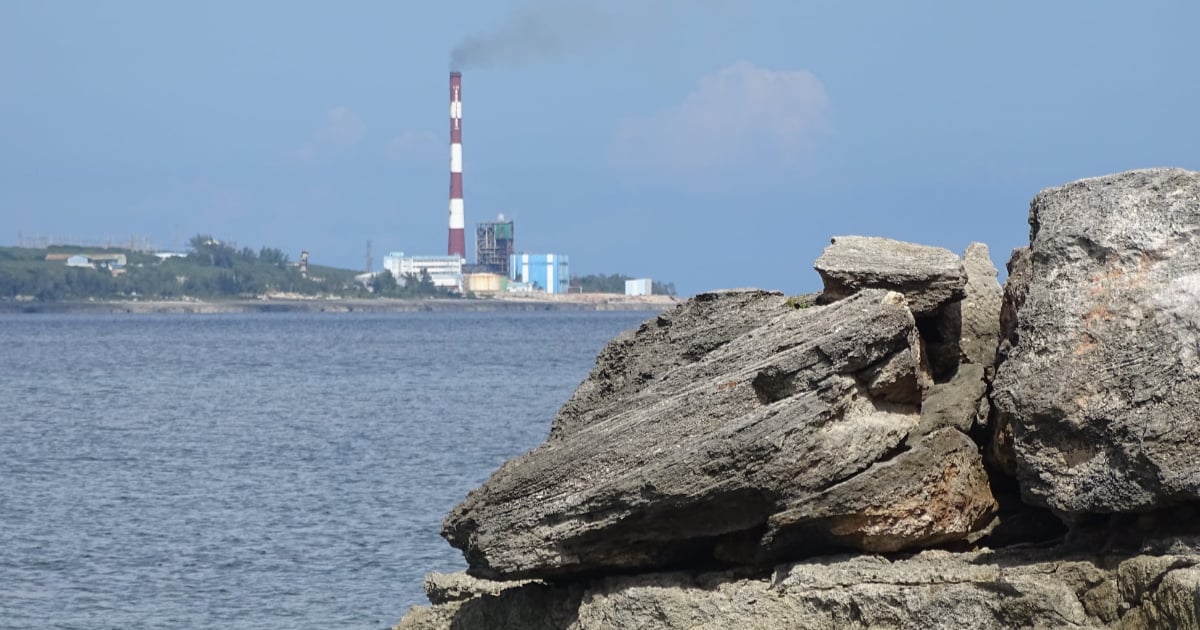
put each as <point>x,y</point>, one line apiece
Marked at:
<point>1099,386</point>
<point>720,461</point>
<point>765,439</point>
<point>982,590</point>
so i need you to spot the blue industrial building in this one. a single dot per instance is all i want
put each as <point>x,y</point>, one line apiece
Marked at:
<point>546,272</point>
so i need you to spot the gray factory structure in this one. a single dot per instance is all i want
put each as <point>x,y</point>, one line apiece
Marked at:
<point>494,245</point>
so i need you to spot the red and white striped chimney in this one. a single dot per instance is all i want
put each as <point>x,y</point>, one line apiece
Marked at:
<point>458,242</point>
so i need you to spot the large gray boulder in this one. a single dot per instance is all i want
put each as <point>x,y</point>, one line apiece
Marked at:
<point>697,429</point>
<point>1098,378</point>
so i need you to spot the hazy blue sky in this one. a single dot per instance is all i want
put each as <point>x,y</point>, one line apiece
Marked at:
<point>709,143</point>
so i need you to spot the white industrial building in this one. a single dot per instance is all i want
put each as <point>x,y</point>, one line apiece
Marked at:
<point>445,271</point>
<point>640,286</point>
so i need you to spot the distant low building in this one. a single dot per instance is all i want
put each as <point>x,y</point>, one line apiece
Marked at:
<point>113,262</point>
<point>546,272</point>
<point>639,286</point>
<point>108,261</point>
<point>446,272</point>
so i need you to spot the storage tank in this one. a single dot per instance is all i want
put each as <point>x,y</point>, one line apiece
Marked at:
<point>486,283</point>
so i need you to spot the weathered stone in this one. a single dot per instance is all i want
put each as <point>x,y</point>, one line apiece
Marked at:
<point>928,277</point>
<point>1034,588</point>
<point>999,452</point>
<point>529,606</point>
<point>682,336</point>
<point>691,461</point>
<point>980,307</point>
<point>451,587</point>
<point>1016,289</point>
<point>1100,388</point>
<point>935,492</point>
<point>954,403</point>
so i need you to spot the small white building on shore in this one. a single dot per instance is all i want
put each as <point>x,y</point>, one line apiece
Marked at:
<point>639,286</point>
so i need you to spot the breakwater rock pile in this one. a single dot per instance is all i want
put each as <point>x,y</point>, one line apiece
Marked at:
<point>913,447</point>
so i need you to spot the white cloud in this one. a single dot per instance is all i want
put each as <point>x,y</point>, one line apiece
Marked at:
<point>342,130</point>
<point>739,113</point>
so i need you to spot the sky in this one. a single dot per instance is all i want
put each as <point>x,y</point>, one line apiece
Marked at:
<point>709,143</point>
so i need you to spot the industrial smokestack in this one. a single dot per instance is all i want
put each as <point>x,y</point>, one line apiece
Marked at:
<point>458,242</point>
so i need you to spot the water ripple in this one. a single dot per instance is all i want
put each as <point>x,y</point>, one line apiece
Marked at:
<point>259,471</point>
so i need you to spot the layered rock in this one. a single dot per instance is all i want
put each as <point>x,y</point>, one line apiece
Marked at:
<point>1099,383</point>
<point>724,440</point>
<point>1034,588</point>
<point>930,277</point>
<point>765,438</point>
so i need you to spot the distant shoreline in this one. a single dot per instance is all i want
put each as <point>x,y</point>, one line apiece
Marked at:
<point>577,302</point>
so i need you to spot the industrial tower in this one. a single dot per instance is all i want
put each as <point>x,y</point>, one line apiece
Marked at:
<point>457,244</point>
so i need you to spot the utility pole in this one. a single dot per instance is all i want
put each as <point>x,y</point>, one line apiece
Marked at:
<point>370,260</point>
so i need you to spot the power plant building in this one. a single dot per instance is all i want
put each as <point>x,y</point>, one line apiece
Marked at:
<point>546,272</point>
<point>494,245</point>
<point>445,271</point>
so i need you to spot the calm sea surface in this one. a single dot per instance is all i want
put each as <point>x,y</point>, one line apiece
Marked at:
<point>259,471</point>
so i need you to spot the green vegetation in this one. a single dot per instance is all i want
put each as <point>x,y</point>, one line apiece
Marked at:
<point>615,283</point>
<point>211,269</point>
<point>384,284</point>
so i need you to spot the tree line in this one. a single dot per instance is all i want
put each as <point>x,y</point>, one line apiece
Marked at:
<point>211,269</point>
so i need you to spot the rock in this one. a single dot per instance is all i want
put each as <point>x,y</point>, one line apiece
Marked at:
<point>687,446</point>
<point>932,279</point>
<point>1100,386</point>
<point>723,440</point>
<point>527,606</point>
<point>954,403</point>
<point>929,277</point>
<point>452,587</point>
<point>983,590</point>
<point>980,308</point>
<point>1016,289</point>
<point>933,493</point>
<point>999,452</point>
<point>679,337</point>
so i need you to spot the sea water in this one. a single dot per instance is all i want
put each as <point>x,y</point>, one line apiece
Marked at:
<point>259,471</point>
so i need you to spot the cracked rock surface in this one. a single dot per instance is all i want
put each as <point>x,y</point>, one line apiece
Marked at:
<point>1100,384</point>
<point>933,590</point>
<point>742,446</point>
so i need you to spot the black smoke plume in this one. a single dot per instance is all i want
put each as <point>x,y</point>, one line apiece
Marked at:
<point>545,30</point>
